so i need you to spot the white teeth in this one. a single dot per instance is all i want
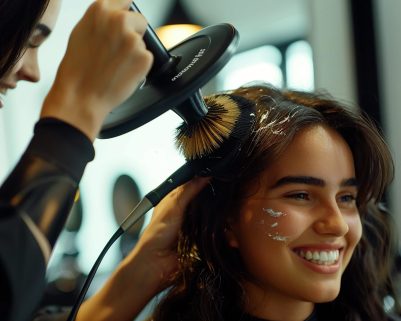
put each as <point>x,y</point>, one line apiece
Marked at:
<point>324,256</point>
<point>320,257</point>
<point>316,256</point>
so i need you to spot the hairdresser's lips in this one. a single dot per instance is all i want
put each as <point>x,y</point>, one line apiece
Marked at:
<point>322,258</point>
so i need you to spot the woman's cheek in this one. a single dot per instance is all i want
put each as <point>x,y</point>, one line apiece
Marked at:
<point>354,229</point>
<point>279,223</point>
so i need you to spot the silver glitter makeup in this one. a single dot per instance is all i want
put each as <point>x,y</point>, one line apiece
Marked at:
<point>273,213</point>
<point>277,237</point>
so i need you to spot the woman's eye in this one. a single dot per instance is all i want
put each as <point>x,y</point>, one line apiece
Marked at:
<point>35,40</point>
<point>348,198</point>
<point>299,196</point>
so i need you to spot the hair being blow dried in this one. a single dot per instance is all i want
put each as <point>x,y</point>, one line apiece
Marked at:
<point>208,286</point>
<point>228,122</point>
<point>194,141</point>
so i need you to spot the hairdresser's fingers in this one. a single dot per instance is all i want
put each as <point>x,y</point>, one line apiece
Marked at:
<point>137,21</point>
<point>175,203</point>
<point>116,4</point>
<point>162,231</point>
<point>105,61</point>
<point>185,193</point>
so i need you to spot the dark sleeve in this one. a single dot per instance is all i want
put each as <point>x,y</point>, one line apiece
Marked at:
<point>35,200</point>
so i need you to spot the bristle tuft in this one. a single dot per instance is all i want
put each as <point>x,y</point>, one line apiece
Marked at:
<point>197,140</point>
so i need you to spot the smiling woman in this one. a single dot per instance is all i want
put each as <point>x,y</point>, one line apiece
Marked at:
<point>295,233</point>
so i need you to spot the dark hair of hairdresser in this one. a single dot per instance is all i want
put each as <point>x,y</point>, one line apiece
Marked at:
<point>17,21</point>
<point>208,285</point>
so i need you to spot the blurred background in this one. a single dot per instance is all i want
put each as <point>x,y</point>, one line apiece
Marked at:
<point>351,48</point>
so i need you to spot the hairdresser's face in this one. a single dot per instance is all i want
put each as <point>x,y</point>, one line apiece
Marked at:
<point>297,234</point>
<point>27,67</point>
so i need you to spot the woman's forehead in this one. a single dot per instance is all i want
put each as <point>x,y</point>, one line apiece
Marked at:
<point>318,152</point>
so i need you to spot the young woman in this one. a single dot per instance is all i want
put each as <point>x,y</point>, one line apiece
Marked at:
<point>296,232</point>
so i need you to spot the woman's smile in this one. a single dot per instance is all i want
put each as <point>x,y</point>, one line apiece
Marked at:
<point>320,259</point>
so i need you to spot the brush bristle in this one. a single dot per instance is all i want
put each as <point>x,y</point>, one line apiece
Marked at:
<point>205,136</point>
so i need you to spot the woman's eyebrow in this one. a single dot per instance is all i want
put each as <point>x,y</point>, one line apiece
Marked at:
<point>349,182</point>
<point>310,180</point>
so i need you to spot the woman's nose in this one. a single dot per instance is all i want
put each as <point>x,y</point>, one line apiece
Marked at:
<point>331,220</point>
<point>29,67</point>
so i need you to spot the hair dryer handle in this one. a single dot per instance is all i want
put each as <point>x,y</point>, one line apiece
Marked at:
<point>179,177</point>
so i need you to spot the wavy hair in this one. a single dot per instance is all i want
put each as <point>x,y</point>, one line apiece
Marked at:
<point>208,285</point>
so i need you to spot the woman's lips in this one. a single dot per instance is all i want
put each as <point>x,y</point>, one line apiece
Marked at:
<point>319,259</point>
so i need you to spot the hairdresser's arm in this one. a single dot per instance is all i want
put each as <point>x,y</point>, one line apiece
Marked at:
<point>105,61</point>
<point>34,202</point>
<point>148,269</point>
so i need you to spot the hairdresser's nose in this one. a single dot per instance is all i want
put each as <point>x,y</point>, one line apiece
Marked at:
<point>330,220</point>
<point>28,66</point>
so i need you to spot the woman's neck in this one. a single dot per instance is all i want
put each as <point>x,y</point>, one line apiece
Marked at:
<point>274,305</point>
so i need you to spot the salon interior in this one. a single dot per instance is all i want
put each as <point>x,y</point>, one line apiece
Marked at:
<point>350,48</point>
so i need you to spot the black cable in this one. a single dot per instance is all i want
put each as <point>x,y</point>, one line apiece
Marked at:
<point>92,273</point>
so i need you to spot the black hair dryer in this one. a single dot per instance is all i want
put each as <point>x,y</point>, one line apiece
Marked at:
<point>175,79</point>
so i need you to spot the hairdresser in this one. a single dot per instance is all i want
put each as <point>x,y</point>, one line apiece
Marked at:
<point>105,60</point>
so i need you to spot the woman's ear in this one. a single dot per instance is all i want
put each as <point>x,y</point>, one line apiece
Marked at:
<point>230,235</point>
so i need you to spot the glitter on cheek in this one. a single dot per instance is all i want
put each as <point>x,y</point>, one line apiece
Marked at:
<point>276,236</point>
<point>273,213</point>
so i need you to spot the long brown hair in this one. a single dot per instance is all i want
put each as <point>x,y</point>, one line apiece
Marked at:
<point>208,285</point>
<point>17,21</point>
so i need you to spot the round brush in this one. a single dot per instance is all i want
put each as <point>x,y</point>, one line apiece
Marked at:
<point>212,142</point>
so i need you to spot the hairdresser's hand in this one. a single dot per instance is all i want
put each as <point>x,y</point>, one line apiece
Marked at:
<point>147,270</point>
<point>105,61</point>
<point>159,240</point>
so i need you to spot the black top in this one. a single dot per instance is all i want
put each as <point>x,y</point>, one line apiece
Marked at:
<point>314,317</point>
<point>247,317</point>
<point>35,200</point>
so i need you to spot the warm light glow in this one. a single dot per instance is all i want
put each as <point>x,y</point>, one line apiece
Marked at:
<point>171,35</point>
